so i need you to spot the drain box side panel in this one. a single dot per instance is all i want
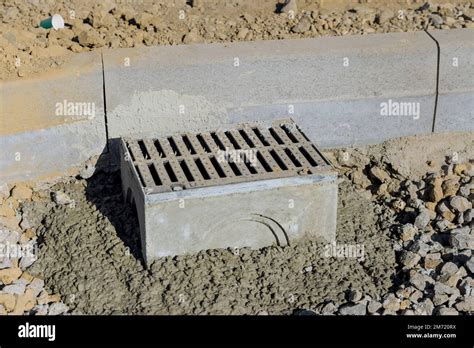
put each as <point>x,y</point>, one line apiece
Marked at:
<point>255,214</point>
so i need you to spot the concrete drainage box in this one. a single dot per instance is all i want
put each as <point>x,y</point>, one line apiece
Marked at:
<point>246,186</point>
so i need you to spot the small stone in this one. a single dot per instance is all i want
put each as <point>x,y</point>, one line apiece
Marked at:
<point>373,306</point>
<point>398,205</point>
<point>418,280</point>
<point>408,232</point>
<point>445,311</point>
<point>443,289</point>
<point>379,174</point>
<point>405,304</point>
<point>87,172</point>
<point>22,192</point>
<point>461,241</point>
<point>432,261</point>
<point>461,168</point>
<point>449,268</point>
<point>423,219</point>
<point>354,296</point>
<point>470,265</point>
<point>460,204</point>
<point>466,286</point>
<point>468,215</point>
<point>57,308</point>
<point>430,206</point>
<point>329,309</point>
<point>391,303</point>
<point>409,259</point>
<point>14,289</point>
<point>303,25</point>
<point>450,186</point>
<point>24,302</point>
<point>439,299</point>
<point>435,191</point>
<point>467,305</point>
<point>419,247</point>
<point>436,20</point>
<point>36,285</point>
<point>8,275</point>
<point>300,312</point>
<point>353,309</point>
<point>425,307</point>
<point>8,301</point>
<point>61,198</point>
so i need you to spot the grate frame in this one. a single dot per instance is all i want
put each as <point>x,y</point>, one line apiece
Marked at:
<point>192,160</point>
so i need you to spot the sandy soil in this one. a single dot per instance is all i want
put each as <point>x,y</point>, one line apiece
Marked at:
<point>27,49</point>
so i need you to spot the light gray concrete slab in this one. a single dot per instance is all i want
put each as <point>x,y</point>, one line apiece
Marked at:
<point>50,152</point>
<point>333,86</point>
<point>455,110</point>
<point>52,123</point>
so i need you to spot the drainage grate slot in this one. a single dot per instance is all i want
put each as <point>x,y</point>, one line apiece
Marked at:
<point>218,142</point>
<point>203,143</point>
<point>231,138</point>
<point>292,157</point>
<point>264,163</point>
<point>249,163</point>
<point>154,175</point>
<point>174,147</point>
<point>235,169</point>
<point>246,138</point>
<point>170,172</point>
<point>143,149</point>
<point>278,160</point>
<point>289,133</point>
<point>202,169</point>
<point>217,167</point>
<point>308,156</point>
<point>188,144</point>
<point>276,136</point>
<point>186,170</point>
<point>160,150</point>
<point>260,136</point>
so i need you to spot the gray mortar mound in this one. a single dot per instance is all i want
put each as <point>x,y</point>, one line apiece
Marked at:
<point>89,254</point>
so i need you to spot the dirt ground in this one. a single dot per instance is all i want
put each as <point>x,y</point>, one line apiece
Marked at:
<point>408,201</point>
<point>90,253</point>
<point>27,49</point>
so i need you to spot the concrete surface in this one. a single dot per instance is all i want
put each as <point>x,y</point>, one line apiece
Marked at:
<point>40,137</point>
<point>198,87</point>
<point>455,111</point>
<point>162,90</point>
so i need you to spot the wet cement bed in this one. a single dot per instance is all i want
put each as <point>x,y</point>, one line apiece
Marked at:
<point>90,253</point>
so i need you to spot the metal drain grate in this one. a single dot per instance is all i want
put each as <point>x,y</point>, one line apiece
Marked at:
<point>244,153</point>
